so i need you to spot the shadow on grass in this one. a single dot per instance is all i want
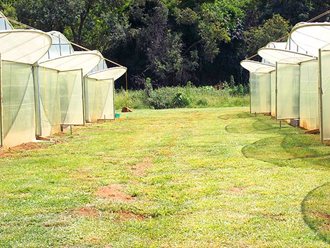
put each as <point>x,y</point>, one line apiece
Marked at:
<point>315,209</point>
<point>242,115</point>
<point>289,150</point>
<point>260,125</point>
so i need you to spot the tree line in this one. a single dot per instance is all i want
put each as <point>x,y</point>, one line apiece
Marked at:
<point>173,42</point>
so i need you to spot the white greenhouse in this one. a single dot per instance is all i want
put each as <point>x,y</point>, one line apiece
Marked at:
<point>46,84</point>
<point>19,50</point>
<point>260,86</point>
<point>99,93</point>
<point>287,86</point>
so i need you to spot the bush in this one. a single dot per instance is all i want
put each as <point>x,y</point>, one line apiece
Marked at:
<point>160,99</point>
<point>182,97</point>
<point>180,100</point>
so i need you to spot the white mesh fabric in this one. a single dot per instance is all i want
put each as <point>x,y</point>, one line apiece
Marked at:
<point>260,92</point>
<point>309,98</point>
<point>288,91</point>
<point>18,104</point>
<point>71,97</point>
<point>325,84</point>
<point>49,102</point>
<point>99,99</point>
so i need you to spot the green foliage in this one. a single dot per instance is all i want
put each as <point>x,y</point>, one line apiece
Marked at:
<point>170,41</point>
<point>183,97</point>
<point>161,98</point>
<point>273,29</point>
<point>180,100</point>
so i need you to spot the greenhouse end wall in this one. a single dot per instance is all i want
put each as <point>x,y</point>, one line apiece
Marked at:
<point>325,96</point>
<point>309,97</point>
<point>71,97</point>
<point>99,99</point>
<point>288,81</point>
<point>48,101</point>
<point>18,104</point>
<point>260,84</point>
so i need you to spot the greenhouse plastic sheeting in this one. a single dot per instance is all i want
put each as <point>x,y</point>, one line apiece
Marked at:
<point>260,92</point>
<point>287,91</point>
<point>273,92</point>
<point>18,104</point>
<point>325,85</point>
<point>61,46</point>
<point>274,55</point>
<point>71,97</point>
<point>109,73</point>
<point>23,46</point>
<point>99,99</point>
<point>309,97</point>
<point>48,107</point>
<point>310,37</point>
<point>85,60</point>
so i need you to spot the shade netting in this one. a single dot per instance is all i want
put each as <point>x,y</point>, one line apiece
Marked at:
<point>309,97</point>
<point>18,105</point>
<point>260,92</point>
<point>71,97</point>
<point>99,99</point>
<point>325,96</point>
<point>287,100</point>
<point>48,101</point>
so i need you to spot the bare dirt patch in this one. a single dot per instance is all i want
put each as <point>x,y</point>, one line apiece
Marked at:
<point>87,212</point>
<point>322,215</point>
<point>237,190</point>
<point>140,168</point>
<point>21,148</point>
<point>114,192</point>
<point>127,216</point>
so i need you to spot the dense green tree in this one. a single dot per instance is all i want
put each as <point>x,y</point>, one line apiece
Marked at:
<point>273,29</point>
<point>170,41</point>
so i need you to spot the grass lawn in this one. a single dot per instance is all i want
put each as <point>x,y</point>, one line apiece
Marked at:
<point>173,178</point>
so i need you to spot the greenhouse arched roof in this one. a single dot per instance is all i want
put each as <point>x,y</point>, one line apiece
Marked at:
<point>61,46</point>
<point>110,73</point>
<point>78,60</point>
<point>311,36</point>
<point>274,56</point>
<point>24,46</point>
<point>257,67</point>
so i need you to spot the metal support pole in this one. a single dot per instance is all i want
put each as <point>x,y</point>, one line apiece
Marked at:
<point>321,97</point>
<point>1,102</point>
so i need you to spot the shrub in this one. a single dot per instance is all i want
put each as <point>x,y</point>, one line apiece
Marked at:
<point>181,97</point>
<point>160,99</point>
<point>180,100</point>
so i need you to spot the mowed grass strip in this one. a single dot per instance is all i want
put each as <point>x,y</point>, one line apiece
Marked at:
<point>172,178</point>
